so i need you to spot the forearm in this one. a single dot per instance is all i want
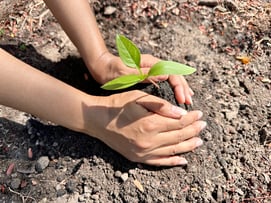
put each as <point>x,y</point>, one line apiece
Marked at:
<point>27,89</point>
<point>78,21</point>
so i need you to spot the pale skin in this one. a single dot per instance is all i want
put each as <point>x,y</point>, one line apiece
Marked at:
<point>141,127</point>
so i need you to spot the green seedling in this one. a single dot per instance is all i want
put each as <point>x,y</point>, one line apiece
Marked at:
<point>131,56</point>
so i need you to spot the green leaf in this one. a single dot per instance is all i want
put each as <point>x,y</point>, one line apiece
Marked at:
<point>128,52</point>
<point>170,68</point>
<point>123,82</point>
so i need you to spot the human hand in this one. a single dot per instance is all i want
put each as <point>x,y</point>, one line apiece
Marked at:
<point>110,67</point>
<point>144,128</point>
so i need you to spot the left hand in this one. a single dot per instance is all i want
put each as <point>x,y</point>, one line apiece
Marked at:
<point>108,67</point>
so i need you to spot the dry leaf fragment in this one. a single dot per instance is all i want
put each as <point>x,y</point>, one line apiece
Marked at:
<point>244,59</point>
<point>138,185</point>
<point>10,169</point>
<point>30,153</point>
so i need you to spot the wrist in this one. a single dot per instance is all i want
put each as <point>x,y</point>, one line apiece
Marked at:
<point>93,125</point>
<point>102,68</point>
<point>91,62</point>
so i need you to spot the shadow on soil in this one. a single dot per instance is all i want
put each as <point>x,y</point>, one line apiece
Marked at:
<point>47,139</point>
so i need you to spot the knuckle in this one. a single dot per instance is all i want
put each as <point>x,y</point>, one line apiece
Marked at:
<point>148,126</point>
<point>142,145</point>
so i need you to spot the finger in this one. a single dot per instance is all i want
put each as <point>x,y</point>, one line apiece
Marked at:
<point>163,125</point>
<point>178,88</point>
<point>185,121</point>
<point>167,161</point>
<point>182,147</point>
<point>161,106</point>
<point>157,78</point>
<point>148,60</point>
<point>181,89</point>
<point>173,133</point>
<point>177,136</point>
<point>191,92</point>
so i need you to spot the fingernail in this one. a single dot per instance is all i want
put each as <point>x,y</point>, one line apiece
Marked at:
<point>183,161</point>
<point>200,114</point>
<point>190,100</point>
<point>179,111</point>
<point>203,125</point>
<point>191,91</point>
<point>199,143</point>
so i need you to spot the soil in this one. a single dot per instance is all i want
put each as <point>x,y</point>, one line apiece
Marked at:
<point>229,42</point>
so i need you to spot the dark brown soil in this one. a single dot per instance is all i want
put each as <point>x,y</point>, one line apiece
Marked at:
<point>234,163</point>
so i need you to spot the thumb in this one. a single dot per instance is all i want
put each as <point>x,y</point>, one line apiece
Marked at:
<point>161,107</point>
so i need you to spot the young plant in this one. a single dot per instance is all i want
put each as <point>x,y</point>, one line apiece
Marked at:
<point>131,56</point>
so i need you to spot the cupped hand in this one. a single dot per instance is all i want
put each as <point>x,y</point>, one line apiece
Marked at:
<point>144,128</point>
<point>108,67</point>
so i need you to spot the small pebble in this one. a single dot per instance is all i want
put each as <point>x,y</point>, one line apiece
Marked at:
<point>60,192</point>
<point>81,199</point>
<point>95,197</point>
<point>117,174</point>
<point>15,183</point>
<point>42,163</point>
<point>124,177</point>
<point>70,186</point>
<point>87,190</point>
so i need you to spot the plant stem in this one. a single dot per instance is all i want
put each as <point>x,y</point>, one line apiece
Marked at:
<point>154,83</point>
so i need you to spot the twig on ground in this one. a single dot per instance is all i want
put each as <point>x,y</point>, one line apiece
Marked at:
<point>23,197</point>
<point>41,16</point>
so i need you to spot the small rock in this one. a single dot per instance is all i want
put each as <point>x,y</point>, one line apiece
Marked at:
<point>60,192</point>
<point>239,191</point>
<point>70,186</point>
<point>231,5</point>
<point>263,135</point>
<point>210,3</point>
<point>87,189</point>
<point>230,115</point>
<point>132,172</point>
<point>58,187</point>
<point>15,183</point>
<point>117,174</point>
<point>34,182</point>
<point>42,163</point>
<point>109,10</point>
<point>207,136</point>
<point>124,177</point>
<point>95,197</point>
<point>81,199</point>
<point>44,200</point>
<point>60,178</point>
<point>190,57</point>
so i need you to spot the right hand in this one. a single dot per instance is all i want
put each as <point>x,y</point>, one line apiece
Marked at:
<point>144,128</point>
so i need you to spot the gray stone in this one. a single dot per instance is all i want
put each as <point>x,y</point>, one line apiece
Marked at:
<point>60,192</point>
<point>210,3</point>
<point>42,163</point>
<point>15,183</point>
